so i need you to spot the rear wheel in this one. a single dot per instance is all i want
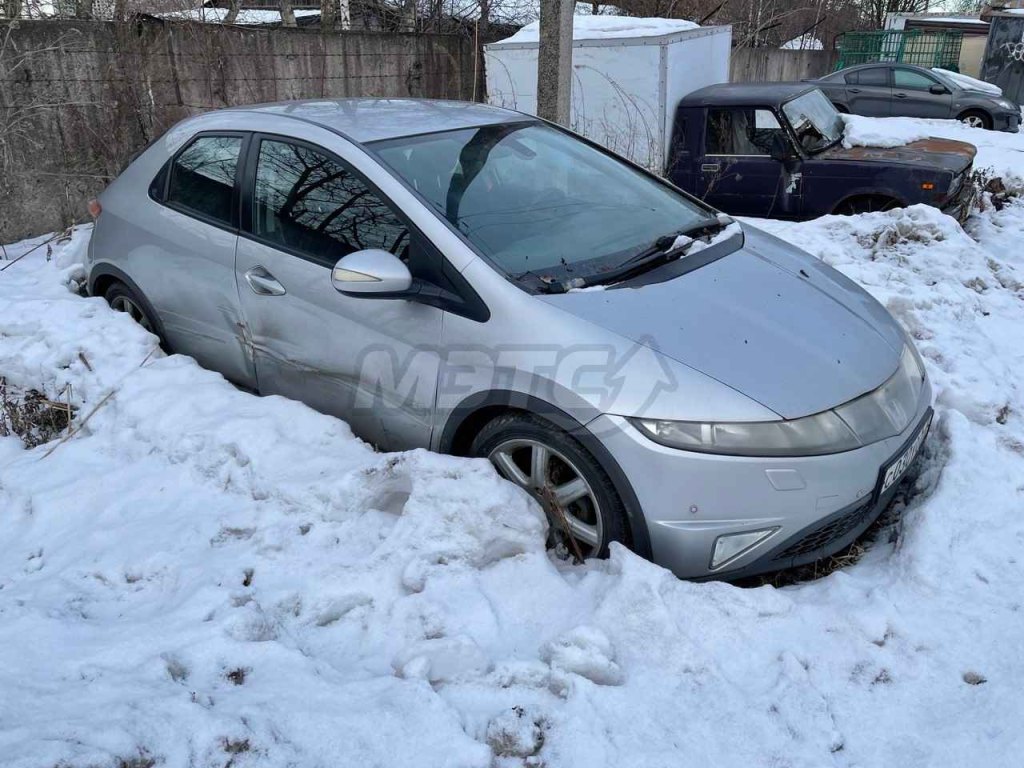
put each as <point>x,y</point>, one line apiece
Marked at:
<point>585,513</point>
<point>865,204</point>
<point>122,299</point>
<point>976,119</point>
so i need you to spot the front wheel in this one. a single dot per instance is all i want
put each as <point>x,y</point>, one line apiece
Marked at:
<point>865,204</point>
<point>584,511</point>
<point>976,119</point>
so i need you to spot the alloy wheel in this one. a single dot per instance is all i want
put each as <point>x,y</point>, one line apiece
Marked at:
<point>973,121</point>
<point>133,310</point>
<point>573,512</point>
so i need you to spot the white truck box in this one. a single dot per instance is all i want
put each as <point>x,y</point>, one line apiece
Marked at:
<point>628,75</point>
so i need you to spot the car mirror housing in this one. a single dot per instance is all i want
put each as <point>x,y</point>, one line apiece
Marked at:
<point>371,272</point>
<point>938,90</point>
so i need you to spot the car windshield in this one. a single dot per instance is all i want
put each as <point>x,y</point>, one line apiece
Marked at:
<point>534,199</point>
<point>814,120</point>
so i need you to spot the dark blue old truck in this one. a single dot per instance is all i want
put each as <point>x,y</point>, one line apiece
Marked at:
<point>775,150</point>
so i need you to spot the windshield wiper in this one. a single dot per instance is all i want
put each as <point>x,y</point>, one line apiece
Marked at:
<point>663,250</point>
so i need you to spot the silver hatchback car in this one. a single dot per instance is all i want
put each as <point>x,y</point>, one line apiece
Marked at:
<point>479,282</point>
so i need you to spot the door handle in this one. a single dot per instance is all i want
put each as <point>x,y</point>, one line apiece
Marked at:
<point>854,90</point>
<point>263,283</point>
<point>710,167</point>
<point>899,95</point>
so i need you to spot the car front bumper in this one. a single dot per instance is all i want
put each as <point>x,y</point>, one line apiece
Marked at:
<point>1006,121</point>
<point>961,203</point>
<point>817,504</point>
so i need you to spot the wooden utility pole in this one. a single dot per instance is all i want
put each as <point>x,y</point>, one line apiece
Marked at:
<point>554,61</point>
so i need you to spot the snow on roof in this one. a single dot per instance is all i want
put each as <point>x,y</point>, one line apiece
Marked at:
<point>947,20</point>
<point>803,43</point>
<point>245,16</point>
<point>603,27</point>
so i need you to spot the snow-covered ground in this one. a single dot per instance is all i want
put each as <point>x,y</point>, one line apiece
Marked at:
<point>202,577</point>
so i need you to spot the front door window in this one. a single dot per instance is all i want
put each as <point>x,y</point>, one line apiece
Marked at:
<point>312,205</point>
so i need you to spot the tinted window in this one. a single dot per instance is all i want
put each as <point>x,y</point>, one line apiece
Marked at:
<point>311,203</point>
<point>531,197</point>
<point>740,131</point>
<point>203,176</point>
<point>874,76</point>
<point>908,78</point>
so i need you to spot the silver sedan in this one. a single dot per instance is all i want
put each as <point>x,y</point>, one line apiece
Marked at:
<point>475,281</point>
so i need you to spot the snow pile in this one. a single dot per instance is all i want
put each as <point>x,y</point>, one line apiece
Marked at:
<point>605,27</point>
<point>203,577</point>
<point>806,42</point>
<point>872,132</point>
<point>968,82</point>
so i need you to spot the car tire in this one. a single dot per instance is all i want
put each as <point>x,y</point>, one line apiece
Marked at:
<point>975,118</point>
<point>572,487</point>
<point>121,298</point>
<point>865,204</point>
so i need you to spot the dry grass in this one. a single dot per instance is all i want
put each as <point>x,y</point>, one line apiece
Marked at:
<point>32,416</point>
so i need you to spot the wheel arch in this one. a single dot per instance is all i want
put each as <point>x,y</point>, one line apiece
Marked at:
<point>104,275</point>
<point>469,416</point>
<point>984,113</point>
<point>861,194</point>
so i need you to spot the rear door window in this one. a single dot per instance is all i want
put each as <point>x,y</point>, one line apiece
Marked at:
<point>203,178</point>
<point>878,76</point>
<point>311,204</point>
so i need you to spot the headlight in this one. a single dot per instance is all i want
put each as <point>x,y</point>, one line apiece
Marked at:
<point>879,414</point>
<point>1008,104</point>
<point>957,178</point>
<point>888,410</point>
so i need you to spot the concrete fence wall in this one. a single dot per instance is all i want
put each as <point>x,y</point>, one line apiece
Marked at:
<point>78,99</point>
<point>758,65</point>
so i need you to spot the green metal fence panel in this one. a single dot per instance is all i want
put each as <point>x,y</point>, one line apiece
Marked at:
<point>914,46</point>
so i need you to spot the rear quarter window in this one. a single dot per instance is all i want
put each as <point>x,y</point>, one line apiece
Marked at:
<point>202,177</point>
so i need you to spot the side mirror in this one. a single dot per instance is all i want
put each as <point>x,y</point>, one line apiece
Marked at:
<point>370,273</point>
<point>938,90</point>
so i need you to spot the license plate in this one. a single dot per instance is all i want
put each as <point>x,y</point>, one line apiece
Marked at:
<point>892,473</point>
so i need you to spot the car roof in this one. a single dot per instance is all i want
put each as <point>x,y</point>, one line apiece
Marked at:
<point>366,120</point>
<point>745,94</point>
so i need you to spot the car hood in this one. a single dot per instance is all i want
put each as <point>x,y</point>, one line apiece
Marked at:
<point>767,320</point>
<point>947,154</point>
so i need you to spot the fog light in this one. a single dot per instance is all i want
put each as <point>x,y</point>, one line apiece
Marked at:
<point>732,545</point>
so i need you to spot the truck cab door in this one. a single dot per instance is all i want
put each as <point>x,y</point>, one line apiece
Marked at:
<point>737,173</point>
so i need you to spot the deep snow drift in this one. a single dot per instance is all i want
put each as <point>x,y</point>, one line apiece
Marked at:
<point>201,577</point>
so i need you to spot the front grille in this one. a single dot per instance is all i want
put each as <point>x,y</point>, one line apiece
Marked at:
<point>825,534</point>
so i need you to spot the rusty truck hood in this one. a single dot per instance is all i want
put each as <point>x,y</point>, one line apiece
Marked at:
<point>947,154</point>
